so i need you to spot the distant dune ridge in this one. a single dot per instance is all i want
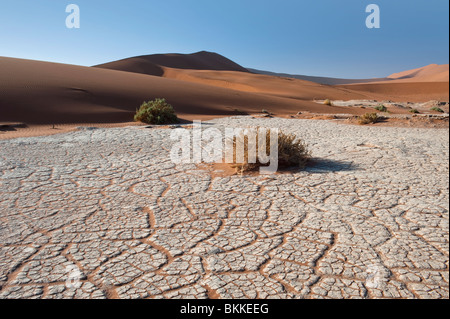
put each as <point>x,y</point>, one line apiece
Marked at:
<point>152,64</point>
<point>199,86</point>
<point>317,79</point>
<point>430,73</point>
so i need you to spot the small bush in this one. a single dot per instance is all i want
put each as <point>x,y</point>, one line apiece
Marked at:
<point>437,109</point>
<point>292,152</point>
<point>265,112</point>
<point>414,111</point>
<point>381,108</point>
<point>156,112</point>
<point>328,102</point>
<point>368,118</point>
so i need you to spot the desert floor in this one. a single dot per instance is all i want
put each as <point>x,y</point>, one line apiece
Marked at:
<point>367,219</point>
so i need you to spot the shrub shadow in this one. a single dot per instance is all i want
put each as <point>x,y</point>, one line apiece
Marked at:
<point>319,165</point>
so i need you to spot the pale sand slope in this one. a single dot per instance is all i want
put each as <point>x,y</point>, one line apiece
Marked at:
<point>430,73</point>
<point>368,220</point>
<point>40,92</point>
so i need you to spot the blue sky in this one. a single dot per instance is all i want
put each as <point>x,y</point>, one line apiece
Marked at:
<point>320,37</point>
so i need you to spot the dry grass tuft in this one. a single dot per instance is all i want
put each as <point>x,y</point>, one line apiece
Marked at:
<point>292,152</point>
<point>368,118</point>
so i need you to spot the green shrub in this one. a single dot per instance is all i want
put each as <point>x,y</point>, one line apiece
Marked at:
<point>414,111</point>
<point>368,118</point>
<point>381,108</point>
<point>328,102</point>
<point>157,112</point>
<point>437,109</point>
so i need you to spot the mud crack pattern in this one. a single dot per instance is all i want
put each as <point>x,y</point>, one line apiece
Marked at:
<point>368,219</point>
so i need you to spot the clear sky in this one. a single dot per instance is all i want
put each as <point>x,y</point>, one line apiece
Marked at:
<point>311,37</point>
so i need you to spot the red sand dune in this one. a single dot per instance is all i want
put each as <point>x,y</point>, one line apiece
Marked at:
<point>395,90</point>
<point>50,93</point>
<point>188,68</point>
<point>419,85</point>
<point>213,69</point>
<point>199,86</point>
<point>403,91</point>
<point>264,84</point>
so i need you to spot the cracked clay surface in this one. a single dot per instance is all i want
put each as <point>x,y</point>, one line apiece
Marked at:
<point>367,219</point>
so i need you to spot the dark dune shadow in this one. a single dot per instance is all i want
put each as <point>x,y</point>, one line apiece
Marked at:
<point>11,127</point>
<point>7,129</point>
